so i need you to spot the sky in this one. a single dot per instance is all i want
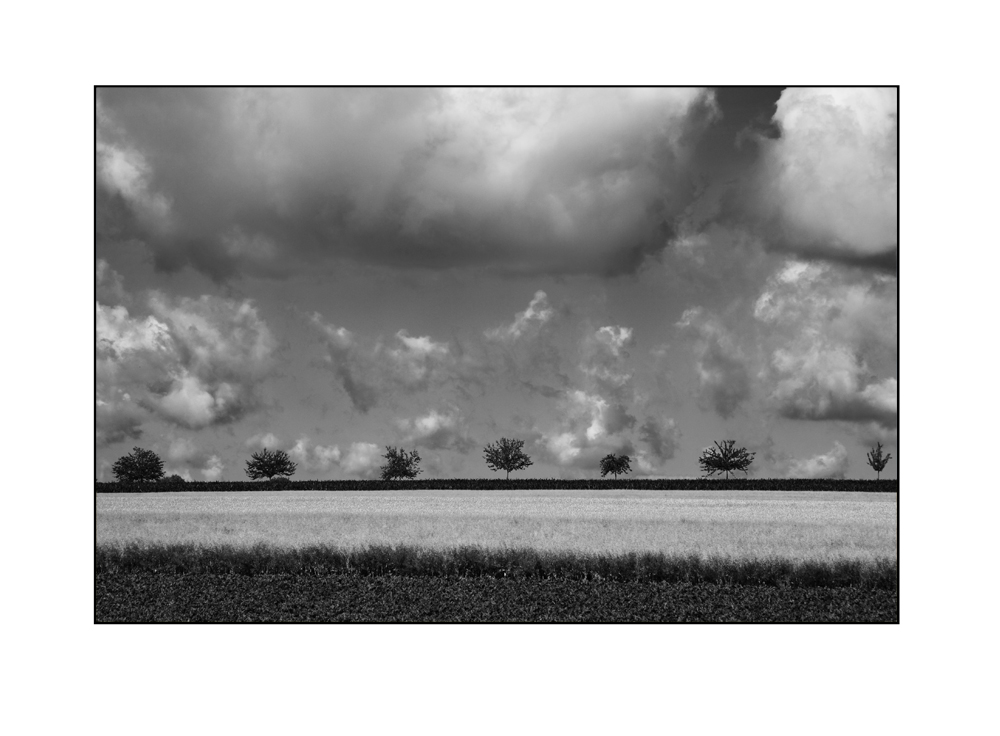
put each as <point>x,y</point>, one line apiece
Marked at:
<point>638,271</point>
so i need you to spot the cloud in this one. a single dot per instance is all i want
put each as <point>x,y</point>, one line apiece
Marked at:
<point>184,454</point>
<point>588,428</point>
<point>262,441</point>
<point>832,464</point>
<point>236,181</point>
<point>661,437</point>
<point>314,458</point>
<point>827,185</point>
<point>109,284</point>
<point>721,365</point>
<point>118,420</point>
<point>537,314</point>
<point>193,362</point>
<point>437,431</point>
<point>362,459</point>
<point>368,372</point>
<point>830,335</point>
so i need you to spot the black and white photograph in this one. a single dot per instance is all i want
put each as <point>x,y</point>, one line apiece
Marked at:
<point>523,354</point>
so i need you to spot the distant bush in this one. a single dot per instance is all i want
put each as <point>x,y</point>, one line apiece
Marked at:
<point>173,479</point>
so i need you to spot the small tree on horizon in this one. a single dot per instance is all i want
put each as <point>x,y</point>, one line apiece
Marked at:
<point>506,455</point>
<point>725,458</point>
<point>612,464</point>
<point>878,462</point>
<point>140,466</point>
<point>399,464</point>
<point>267,464</point>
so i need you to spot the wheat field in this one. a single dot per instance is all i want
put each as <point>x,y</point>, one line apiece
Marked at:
<point>740,524</point>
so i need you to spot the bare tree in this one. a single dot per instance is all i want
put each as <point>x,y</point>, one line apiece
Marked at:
<point>267,464</point>
<point>725,458</point>
<point>506,455</point>
<point>615,465</point>
<point>399,464</point>
<point>876,460</point>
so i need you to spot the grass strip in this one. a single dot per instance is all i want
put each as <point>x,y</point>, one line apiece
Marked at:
<point>480,562</point>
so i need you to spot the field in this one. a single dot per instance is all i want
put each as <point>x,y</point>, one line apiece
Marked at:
<point>593,555</point>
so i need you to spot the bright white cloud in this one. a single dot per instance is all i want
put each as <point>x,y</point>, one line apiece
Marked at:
<point>195,362</point>
<point>829,181</point>
<point>362,459</point>
<point>829,337</point>
<point>437,430</point>
<point>832,464</point>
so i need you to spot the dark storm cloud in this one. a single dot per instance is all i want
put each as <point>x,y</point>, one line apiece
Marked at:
<point>521,180</point>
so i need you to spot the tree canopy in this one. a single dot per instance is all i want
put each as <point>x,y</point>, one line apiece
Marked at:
<point>878,462</point>
<point>139,466</point>
<point>506,455</point>
<point>399,464</point>
<point>268,463</point>
<point>615,465</point>
<point>725,458</point>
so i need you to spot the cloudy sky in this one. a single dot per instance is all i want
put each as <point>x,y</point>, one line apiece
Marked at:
<point>589,270</point>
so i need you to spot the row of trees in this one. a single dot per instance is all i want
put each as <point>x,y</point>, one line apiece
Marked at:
<point>505,454</point>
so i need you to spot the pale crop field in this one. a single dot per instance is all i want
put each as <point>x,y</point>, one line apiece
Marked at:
<point>742,524</point>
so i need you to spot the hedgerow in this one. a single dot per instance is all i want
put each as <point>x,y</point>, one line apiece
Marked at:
<point>518,484</point>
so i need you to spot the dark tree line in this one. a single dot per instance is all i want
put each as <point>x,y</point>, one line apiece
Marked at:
<point>505,454</point>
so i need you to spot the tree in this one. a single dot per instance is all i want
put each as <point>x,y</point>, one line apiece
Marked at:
<point>506,455</point>
<point>172,479</point>
<point>138,467</point>
<point>267,464</point>
<point>616,465</point>
<point>399,464</point>
<point>725,458</point>
<point>876,460</point>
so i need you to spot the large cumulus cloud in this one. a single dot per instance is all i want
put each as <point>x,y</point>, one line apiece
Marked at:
<point>831,337</point>
<point>192,362</point>
<point>597,416</point>
<point>827,186</point>
<point>523,180</point>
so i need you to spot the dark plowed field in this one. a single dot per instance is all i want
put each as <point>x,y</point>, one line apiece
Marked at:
<point>348,597</point>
